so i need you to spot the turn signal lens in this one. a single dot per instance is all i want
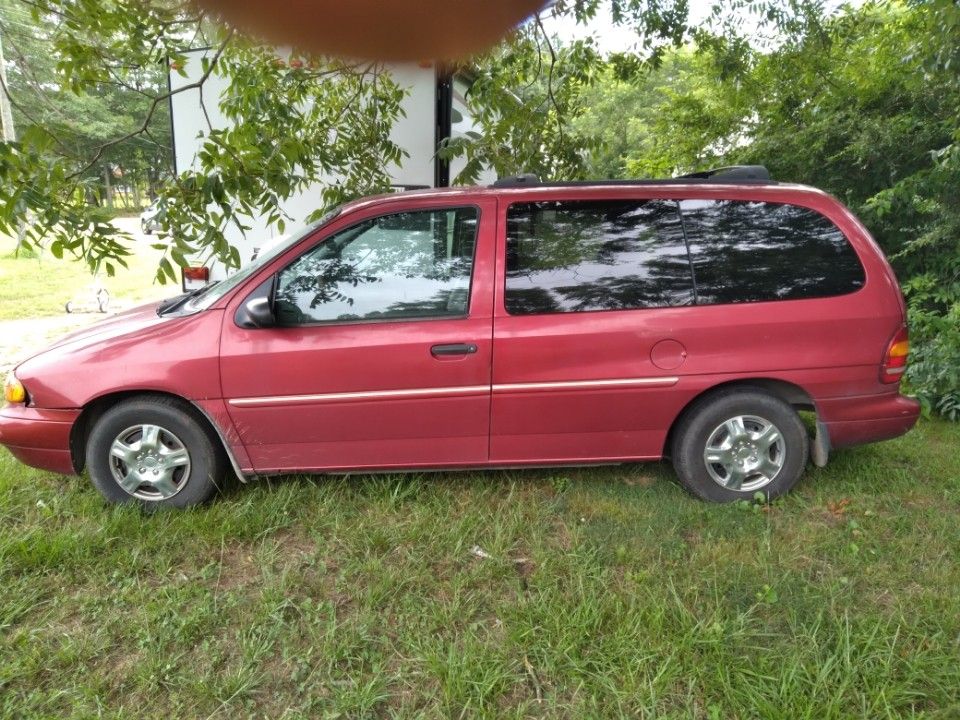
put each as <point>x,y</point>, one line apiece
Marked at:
<point>899,349</point>
<point>895,361</point>
<point>13,390</point>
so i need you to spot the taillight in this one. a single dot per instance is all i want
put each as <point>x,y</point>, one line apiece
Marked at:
<point>895,360</point>
<point>201,273</point>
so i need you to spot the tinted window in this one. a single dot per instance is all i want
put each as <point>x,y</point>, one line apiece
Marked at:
<point>406,265</point>
<point>583,256</point>
<point>754,251</point>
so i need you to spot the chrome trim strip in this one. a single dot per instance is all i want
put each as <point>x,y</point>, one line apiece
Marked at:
<point>366,395</point>
<point>578,384</point>
<point>448,391</point>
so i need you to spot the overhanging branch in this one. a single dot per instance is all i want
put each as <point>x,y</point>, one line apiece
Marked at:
<point>198,84</point>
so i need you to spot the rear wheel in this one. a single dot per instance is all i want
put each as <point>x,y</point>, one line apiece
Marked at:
<point>153,451</point>
<point>737,443</point>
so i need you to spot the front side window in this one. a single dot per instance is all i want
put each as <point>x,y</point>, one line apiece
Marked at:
<point>208,295</point>
<point>411,265</point>
<point>582,256</point>
<point>760,251</point>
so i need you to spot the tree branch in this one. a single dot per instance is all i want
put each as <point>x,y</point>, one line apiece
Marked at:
<point>553,63</point>
<point>33,121</point>
<point>153,108</point>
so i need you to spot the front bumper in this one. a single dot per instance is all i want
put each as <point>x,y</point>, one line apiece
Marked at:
<point>865,419</point>
<point>39,438</point>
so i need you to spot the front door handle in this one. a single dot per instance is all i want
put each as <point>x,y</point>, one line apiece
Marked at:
<point>453,349</point>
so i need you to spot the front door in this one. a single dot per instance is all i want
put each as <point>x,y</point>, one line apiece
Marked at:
<point>383,354</point>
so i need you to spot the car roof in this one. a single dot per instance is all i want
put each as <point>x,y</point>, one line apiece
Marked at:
<point>593,189</point>
<point>744,181</point>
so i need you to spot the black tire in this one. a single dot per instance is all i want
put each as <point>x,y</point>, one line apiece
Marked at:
<point>180,430</point>
<point>705,420</point>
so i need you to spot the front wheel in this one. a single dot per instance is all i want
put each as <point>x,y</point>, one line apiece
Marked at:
<point>740,442</point>
<point>153,451</point>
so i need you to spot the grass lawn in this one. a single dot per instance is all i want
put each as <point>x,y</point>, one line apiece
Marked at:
<point>32,287</point>
<point>605,593</point>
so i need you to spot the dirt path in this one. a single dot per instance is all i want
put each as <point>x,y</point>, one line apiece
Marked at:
<point>21,338</point>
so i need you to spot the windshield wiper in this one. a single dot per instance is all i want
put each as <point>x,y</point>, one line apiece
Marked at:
<point>175,303</point>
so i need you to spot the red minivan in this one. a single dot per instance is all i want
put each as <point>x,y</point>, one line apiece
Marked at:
<point>522,324</point>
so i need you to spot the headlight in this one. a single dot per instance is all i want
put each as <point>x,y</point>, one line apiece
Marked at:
<point>13,390</point>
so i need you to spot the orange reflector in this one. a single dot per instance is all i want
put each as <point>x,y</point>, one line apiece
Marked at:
<point>13,390</point>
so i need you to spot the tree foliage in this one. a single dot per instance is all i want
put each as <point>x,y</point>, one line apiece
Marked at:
<point>342,115</point>
<point>524,97</point>
<point>297,119</point>
<point>864,103</point>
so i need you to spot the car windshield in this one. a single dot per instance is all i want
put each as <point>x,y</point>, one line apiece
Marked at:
<point>208,295</point>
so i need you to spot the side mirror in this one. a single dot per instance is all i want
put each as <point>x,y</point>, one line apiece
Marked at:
<point>257,309</point>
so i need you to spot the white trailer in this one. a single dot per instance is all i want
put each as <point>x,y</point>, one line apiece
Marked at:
<point>433,109</point>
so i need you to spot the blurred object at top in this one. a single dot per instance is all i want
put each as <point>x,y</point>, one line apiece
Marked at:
<point>388,30</point>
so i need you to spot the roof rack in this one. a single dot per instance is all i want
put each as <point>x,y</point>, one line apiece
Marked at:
<point>733,174</point>
<point>517,181</point>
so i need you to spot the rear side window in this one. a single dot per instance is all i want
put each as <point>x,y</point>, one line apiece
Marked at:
<point>587,256</point>
<point>756,251</point>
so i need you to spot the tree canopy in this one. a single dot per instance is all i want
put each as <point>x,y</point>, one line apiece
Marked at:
<point>863,102</point>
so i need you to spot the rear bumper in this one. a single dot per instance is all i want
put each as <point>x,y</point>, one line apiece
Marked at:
<point>39,438</point>
<point>866,419</point>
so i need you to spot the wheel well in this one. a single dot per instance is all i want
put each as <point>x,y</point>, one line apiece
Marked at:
<point>94,409</point>
<point>788,392</point>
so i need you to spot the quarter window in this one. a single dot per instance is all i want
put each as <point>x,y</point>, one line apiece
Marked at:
<point>411,265</point>
<point>756,251</point>
<point>587,256</point>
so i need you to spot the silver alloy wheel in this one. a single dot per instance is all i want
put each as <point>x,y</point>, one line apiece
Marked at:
<point>149,462</point>
<point>745,453</point>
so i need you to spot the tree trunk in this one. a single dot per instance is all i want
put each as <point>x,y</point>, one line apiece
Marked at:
<point>122,189</point>
<point>107,186</point>
<point>137,202</point>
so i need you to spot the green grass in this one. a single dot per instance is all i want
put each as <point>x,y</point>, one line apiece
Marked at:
<point>608,593</point>
<point>32,287</point>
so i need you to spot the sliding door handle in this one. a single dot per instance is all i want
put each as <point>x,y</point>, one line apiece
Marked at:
<point>453,349</point>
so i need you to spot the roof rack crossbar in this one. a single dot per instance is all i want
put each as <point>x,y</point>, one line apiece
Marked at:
<point>517,181</point>
<point>732,173</point>
<point>756,174</point>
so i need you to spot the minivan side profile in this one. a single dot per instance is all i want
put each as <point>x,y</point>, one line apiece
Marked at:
<point>522,324</point>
